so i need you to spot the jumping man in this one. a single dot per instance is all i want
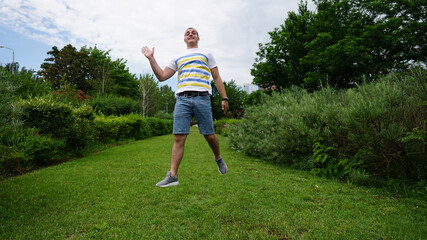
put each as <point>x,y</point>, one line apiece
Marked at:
<point>194,69</point>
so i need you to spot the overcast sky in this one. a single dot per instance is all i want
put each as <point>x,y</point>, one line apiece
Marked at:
<point>229,29</point>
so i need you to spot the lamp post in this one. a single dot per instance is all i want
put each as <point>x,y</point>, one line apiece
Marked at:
<point>13,58</point>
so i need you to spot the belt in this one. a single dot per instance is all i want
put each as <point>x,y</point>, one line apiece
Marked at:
<point>193,94</point>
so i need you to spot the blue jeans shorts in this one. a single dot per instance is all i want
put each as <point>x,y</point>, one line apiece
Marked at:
<point>198,106</point>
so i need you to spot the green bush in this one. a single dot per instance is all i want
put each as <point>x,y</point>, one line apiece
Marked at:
<point>13,87</point>
<point>163,115</point>
<point>363,128</point>
<point>81,133</point>
<point>115,128</point>
<point>32,150</point>
<point>283,128</point>
<point>222,125</point>
<point>141,128</point>
<point>13,159</point>
<point>160,126</point>
<point>47,115</point>
<point>131,126</point>
<point>115,105</point>
<point>62,121</point>
<point>42,150</point>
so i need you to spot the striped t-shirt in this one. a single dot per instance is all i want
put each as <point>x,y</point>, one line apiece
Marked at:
<point>194,70</point>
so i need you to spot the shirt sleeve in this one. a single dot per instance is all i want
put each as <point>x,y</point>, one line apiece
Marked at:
<point>211,61</point>
<point>172,65</point>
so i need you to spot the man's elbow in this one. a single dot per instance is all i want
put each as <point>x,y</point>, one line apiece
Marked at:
<point>162,78</point>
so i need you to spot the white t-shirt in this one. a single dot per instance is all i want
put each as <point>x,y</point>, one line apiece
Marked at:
<point>194,70</point>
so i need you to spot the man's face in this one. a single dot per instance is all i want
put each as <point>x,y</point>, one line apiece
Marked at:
<point>191,36</point>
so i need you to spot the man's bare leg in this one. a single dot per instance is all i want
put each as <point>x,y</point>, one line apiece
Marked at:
<point>177,153</point>
<point>214,144</point>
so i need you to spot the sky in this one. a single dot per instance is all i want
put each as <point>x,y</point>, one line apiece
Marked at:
<point>230,29</point>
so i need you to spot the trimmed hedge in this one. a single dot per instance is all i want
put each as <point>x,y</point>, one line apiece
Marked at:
<point>53,130</point>
<point>59,120</point>
<point>131,126</point>
<point>115,105</point>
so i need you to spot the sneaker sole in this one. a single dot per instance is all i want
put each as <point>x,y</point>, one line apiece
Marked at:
<point>169,184</point>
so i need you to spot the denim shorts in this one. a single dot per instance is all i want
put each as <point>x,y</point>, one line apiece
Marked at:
<point>197,106</point>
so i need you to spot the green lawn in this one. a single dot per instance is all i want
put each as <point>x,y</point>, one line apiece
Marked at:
<point>112,195</point>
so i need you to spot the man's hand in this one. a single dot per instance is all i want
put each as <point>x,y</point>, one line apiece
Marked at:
<point>224,105</point>
<point>147,52</point>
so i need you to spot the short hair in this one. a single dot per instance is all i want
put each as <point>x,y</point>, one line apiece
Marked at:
<point>192,28</point>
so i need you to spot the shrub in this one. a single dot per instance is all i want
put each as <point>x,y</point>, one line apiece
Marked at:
<point>131,126</point>
<point>160,126</point>
<point>47,115</point>
<point>378,116</point>
<point>70,95</point>
<point>163,115</point>
<point>32,150</point>
<point>114,105</point>
<point>112,128</point>
<point>22,84</point>
<point>328,164</point>
<point>13,159</point>
<point>376,128</point>
<point>81,129</point>
<point>42,150</point>
<point>283,128</point>
<point>222,125</point>
<point>62,121</point>
<point>141,127</point>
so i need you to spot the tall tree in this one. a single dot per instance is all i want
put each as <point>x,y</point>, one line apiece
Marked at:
<point>278,62</point>
<point>341,42</point>
<point>67,65</point>
<point>101,70</point>
<point>90,70</point>
<point>125,83</point>
<point>167,99</point>
<point>149,93</point>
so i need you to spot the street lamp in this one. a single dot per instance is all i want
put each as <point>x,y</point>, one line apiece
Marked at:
<point>13,58</point>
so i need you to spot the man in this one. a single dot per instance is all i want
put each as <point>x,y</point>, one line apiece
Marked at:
<point>194,69</point>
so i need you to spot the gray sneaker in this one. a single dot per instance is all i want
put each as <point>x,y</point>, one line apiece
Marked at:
<point>222,167</point>
<point>168,181</point>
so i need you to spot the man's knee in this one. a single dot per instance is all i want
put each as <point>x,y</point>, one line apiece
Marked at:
<point>211,138</point>
<point>180,138</point>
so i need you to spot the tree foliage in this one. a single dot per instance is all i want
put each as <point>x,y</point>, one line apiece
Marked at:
<point>235,100</point>
<point>148,91</point>
<point>167,99</point>
<point>67,65</point>
<point>89,69</point>
<point>341,42</point>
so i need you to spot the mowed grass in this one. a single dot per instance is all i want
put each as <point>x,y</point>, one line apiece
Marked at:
<point>112,195</point>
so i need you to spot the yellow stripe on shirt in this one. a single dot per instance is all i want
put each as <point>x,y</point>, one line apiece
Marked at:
<point>187,75</point>
<point>193,84</point>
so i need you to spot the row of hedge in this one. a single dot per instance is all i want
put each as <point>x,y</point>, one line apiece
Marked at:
<point>374,130</point>
<point>52,129</point>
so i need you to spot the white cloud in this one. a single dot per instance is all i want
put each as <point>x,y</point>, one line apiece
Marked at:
<point>231,30</point>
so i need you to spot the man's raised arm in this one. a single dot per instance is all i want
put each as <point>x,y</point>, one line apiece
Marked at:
<point>161,75</point>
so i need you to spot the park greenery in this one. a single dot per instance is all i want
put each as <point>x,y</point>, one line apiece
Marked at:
<point>343,95</point>
<point>112,195</point>
<point>375,131</point>
<point>342,41</point>
<point>43,124</point>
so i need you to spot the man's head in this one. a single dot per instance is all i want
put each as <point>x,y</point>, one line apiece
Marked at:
<point>191,37</point>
